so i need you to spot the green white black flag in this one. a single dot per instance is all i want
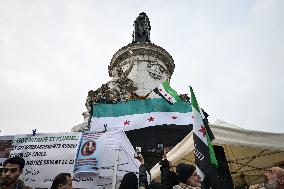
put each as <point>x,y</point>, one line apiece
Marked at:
<point>167,92</point>
<point>138,114</point>
<point>205,158</point>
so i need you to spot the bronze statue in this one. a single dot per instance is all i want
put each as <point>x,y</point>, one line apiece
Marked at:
<point>141,29</point>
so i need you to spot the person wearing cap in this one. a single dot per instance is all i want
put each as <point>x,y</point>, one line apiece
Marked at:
<point>188,177</point>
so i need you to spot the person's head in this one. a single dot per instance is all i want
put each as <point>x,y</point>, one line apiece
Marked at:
<point>274,178</point>
<point>12,169</point>
<point>187,175</point>
<point>2,147</point>
<point>62,181</point>
<point>129,181</point>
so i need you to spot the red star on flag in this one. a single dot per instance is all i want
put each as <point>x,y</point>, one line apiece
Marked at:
<point>126,122</point>
<point>151,119</point>
<point>202,130</point>
<point>174,117</point>
<point>169,98</point>
<point>166,95</point>
<point>192,117</point>
<point>161,90</point>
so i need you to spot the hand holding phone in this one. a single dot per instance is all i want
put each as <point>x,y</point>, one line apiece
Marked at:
<point>139,157</point>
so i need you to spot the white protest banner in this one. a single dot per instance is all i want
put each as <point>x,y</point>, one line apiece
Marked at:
<point>47,155</point>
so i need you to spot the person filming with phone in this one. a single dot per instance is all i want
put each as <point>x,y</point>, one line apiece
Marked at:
<point>130,180</point>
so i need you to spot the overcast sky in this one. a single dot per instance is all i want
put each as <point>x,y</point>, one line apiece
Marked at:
<point>53,52</point>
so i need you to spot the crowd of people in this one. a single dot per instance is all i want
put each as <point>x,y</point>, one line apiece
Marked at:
<point>185,177</point>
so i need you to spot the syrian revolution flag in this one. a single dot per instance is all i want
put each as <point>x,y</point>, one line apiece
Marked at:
<point>167,92</point>
<point>139,114</point>
<point>205,159</point>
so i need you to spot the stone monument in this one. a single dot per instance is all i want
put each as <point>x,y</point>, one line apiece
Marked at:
<point>136,69</point>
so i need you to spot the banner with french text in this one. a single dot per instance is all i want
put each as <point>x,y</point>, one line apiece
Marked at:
<point>47,155</point>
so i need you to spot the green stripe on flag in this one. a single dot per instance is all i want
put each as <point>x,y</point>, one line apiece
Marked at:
<point>213,159</point>
<point>139,107</point>
<point>193,100</point>
<point>170,90</point>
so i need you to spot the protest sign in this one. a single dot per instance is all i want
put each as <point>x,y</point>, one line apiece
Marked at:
<point>47,155</point>
<point>89,153</point>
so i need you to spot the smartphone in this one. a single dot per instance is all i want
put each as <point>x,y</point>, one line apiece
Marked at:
<point>137,151</point>
<point>160,149</point>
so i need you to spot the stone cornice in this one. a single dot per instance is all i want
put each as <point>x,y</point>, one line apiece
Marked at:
<point>148,49</point>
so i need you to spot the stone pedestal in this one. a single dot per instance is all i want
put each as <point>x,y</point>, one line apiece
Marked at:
<point>136,69</point>
<point>146,64</point>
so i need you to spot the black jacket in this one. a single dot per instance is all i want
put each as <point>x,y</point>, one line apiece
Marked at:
<point>168,177</point>
<point>143,176</point>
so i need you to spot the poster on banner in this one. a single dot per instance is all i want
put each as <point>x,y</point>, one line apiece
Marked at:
<point>89,153</point>
<point>5,147</point>
<point>46,156</point>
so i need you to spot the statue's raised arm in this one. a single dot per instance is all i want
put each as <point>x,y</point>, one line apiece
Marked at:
<point>142,29</point>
